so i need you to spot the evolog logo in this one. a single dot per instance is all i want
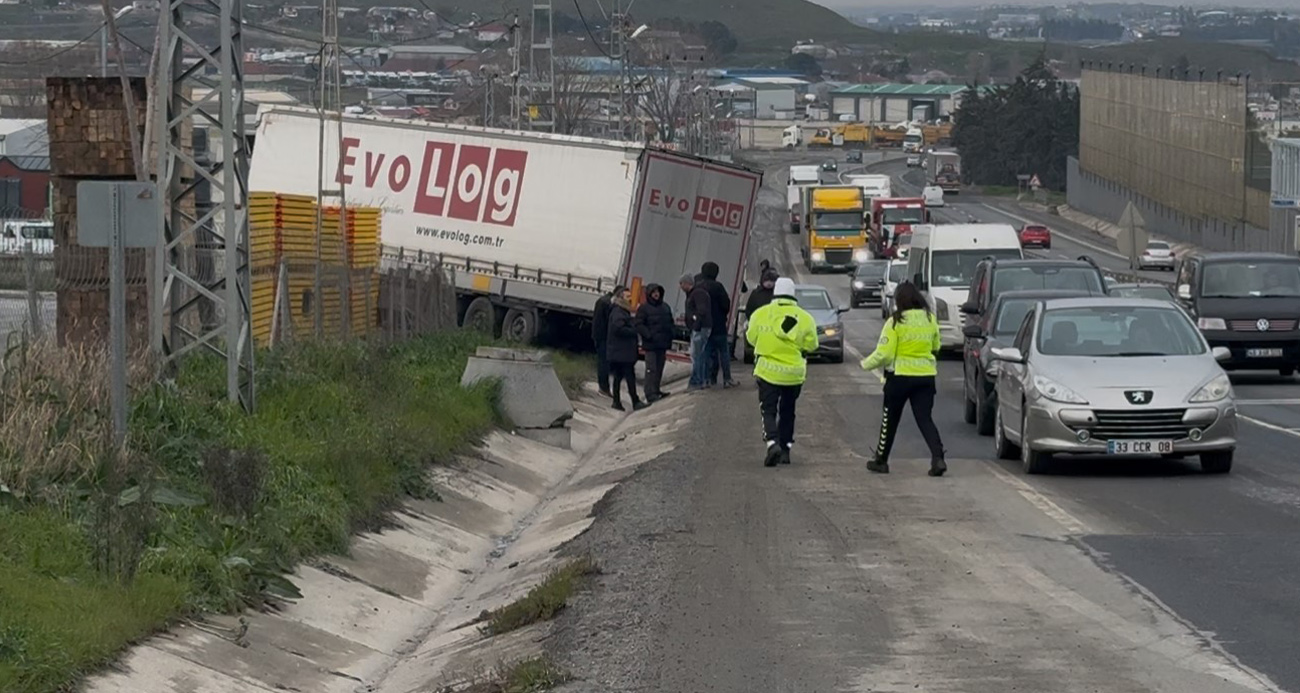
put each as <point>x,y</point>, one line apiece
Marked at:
<point>466,182</point>
<point>705,210</point>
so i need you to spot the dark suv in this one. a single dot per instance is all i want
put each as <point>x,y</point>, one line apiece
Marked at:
<point>1247,302</point>
<point>997,327</point>
<point>993,276</point>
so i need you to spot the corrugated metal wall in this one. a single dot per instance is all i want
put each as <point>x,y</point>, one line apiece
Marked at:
<point>1179,144</point>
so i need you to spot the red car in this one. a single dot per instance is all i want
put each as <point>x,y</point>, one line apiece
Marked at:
<point>1036,236</point>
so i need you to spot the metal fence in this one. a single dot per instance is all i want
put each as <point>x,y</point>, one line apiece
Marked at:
<point>27,287</point>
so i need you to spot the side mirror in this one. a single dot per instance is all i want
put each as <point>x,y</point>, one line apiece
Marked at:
<point>970,309</point>
<point>973,331</point>
<point>881,282</point>
<point>842,309</point>
<point>1221,353</point>
<point>1185,292</point>
<point>1008,354</point>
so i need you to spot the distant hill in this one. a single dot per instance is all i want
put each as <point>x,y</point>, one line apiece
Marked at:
<point>759,25</point>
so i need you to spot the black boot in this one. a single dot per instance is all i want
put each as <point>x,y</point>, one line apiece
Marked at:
<point>785,454</point>
<point>877,465</point>
<point>638,405</point>
<point>618,405</point>
<point>938,466</point>
<point>773,455</point>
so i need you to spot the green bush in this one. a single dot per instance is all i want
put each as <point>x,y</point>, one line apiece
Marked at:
<point>342,432</point>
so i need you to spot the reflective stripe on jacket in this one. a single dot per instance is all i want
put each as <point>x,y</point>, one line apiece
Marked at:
<point>907,348</point>
<point>780,353</point>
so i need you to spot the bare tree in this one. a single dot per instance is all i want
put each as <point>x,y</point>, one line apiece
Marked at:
<point>577,96</point>
<point>663,97</point>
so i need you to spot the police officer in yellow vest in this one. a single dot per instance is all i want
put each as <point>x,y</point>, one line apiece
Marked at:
<point>782,334</point>
<point>906,352</point>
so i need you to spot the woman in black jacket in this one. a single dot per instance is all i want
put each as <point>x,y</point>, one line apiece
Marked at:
<point>654,321</point>
<point>621,349</point>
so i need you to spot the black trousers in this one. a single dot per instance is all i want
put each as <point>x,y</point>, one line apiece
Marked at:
<point>777,403</point>
<point>900,390</point>
<point>654,373</point>
<point>624,372</point>
<point>602,366</point>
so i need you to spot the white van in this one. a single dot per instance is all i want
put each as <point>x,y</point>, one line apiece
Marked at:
<point>933,196</point>
<point>21,236</point>
<point>942,261</point>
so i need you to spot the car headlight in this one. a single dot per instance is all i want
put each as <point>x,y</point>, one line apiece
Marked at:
<point>818,256</point>
<point>1211,323</point>
<point>1218,388</point>
<point>1056,392</point>
<point>941,310</point>
<point>861,255</point>
<point>859,285</point>
<point>829,331</point>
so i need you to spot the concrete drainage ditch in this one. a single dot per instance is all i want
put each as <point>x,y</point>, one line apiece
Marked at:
<point>402,612</point>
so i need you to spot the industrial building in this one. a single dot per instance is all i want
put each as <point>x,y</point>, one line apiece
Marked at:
<point>892,103</point>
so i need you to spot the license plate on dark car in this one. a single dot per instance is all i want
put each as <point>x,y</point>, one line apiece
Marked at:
<point>1263,353</point>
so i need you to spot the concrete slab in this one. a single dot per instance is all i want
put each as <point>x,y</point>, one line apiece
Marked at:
<point>531,393</point>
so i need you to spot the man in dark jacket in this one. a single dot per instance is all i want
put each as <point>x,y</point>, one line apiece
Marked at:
<point>599,333</point>
<point>763,294</point>
<point>720,307</point>
<point>654,321</point>
<point>699,320</point>
<point>621,348</point>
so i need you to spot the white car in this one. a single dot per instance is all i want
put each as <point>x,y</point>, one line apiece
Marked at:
<point>1157,255</point>
<point>895,273</point>
<point>933,195</point>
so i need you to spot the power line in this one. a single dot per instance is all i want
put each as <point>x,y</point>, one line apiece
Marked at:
<point>57,53</point>
<point>594,41</point>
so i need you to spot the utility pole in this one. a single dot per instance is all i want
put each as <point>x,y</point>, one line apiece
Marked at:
<point>516,93</point>
<point>329,188</point>
<point>541,68</point>
<point>224,229</point>
<point>489,96</point>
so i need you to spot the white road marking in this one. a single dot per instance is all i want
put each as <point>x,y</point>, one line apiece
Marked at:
<point>1068,522</point>
<point>1113,253</point>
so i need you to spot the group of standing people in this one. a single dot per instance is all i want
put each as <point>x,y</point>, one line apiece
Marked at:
<point>783,336</point>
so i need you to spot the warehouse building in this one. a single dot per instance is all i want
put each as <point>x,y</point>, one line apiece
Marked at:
<point>893,103</point>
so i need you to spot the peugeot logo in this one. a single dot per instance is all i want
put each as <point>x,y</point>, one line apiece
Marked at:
<point>1138,396</point>
<point>1262,325</point>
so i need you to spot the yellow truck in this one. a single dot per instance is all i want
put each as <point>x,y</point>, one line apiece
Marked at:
<point>857,135</point>
<point>834,228</point>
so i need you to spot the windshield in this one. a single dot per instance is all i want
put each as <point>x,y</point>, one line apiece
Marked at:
<point>911,138</point>
<point>903,215</point>
<point>812,299</point>
<point>897,272</point>
<point>871,270</point>
<point>956,267</point>
<point>1118,332</point>
<point>1156,292</point>
<point>1058,278</point>
<point>1011,315</point>
<point>1157,245</point>
<point>1251,279</point>
<point>837,221</point>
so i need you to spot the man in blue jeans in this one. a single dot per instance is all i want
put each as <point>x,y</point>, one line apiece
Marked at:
<point>720,309</point>
<point>699,320</point>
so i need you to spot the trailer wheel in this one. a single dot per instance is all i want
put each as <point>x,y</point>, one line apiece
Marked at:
<point>520,325</point>
<point>480,316</point>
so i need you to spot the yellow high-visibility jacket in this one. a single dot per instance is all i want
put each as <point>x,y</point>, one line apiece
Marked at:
<point>907,348</point>
<point>780,353</point>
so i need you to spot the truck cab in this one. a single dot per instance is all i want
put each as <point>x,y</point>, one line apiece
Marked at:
<point>792,137</point>
<point>913,140</point>
<point>892,219</point>
<point>835,230</point>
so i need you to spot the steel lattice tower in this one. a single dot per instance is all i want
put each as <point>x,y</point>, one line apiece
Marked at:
<point>202,255</point>
<point>541,67</point>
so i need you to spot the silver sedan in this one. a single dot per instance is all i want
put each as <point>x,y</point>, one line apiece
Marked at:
<point>1115,377</point>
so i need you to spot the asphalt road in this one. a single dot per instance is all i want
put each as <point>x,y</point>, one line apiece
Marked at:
<point>721,575</point>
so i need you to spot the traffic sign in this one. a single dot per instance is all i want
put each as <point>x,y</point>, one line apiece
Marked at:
<point>1034,183</point>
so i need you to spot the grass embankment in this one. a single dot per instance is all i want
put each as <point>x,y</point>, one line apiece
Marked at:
<point>544,601</point>
<point>208,508</point>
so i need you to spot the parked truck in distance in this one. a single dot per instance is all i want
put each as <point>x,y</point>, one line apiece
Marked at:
<point>834,228</point>
<point>944,170</point>
<point>792,137</point>
<point>857,135</point>
<point>20,237</point>
<point>800,178</point>
<point>532,227</point>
